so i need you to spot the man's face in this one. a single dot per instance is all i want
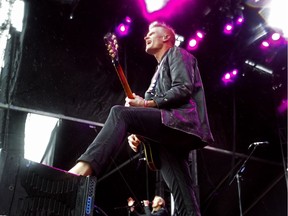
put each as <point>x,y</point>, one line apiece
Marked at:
<point>156,202</point>
<point>154,40</point>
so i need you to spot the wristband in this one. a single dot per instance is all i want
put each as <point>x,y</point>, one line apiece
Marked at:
<point>145,103</point>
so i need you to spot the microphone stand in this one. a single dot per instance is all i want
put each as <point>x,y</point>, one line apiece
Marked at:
<point>238,178</point>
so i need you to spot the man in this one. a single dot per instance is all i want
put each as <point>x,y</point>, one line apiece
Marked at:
<point>172,117</point>
<point>158,207</point>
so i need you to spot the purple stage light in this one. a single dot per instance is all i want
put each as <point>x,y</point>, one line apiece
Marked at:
<point>163,9</point>
<point>282,108</point>
<point>265,44</point>
<point>192,44</point>
<point>128,20</point>
<point>227,78</point>
<point>234,72</point>
<point>122,29</point>
<point>230,76</point>
<point>200,34</point>
<point>275,36</point>
<point>239,20</point>
<point>228,28</point>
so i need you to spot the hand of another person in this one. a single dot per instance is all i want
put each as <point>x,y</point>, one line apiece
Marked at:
<point>133,142</point>
<point>137,101</point>
<point>146,202</point>
<point>130,201</point>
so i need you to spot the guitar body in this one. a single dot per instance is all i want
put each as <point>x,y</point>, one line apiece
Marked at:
<point>112,47</point>
<point>149,157</point>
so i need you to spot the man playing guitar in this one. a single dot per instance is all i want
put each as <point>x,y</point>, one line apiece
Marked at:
<point>172,116</point>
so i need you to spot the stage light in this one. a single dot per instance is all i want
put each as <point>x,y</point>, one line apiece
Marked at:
<point>282,107</point>
<point>123,28</point>
<point>161,9</point>
<point>258,67</point>
<point>239,20</point>
<point>195,40</point>
<point>228,28</point>
<point>192,44</point>
<point>234,72</point>
<point>128,20</point>
<point>227,76</point>
<point>152,5</point>
<point>238,14</point>
<point>179,40</point>
<point>265,44</point>
<point>230,76</point>
<point>275,36</point>
<point>200,35</point>
<point>276,16</point>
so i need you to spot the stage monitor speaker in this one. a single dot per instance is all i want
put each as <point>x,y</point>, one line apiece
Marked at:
<point>29,188</point>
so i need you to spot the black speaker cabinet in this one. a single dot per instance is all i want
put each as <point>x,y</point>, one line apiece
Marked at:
<point>29,188</point>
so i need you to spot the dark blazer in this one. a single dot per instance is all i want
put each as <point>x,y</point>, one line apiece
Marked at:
<point>179,93</point>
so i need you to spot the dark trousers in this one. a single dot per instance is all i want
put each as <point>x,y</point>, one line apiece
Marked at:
<point>173,147</point>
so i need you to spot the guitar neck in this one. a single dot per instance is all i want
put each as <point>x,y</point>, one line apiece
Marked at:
<point>123,80</point>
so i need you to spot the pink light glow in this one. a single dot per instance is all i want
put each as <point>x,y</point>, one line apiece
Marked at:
<point>200,34</point>
<point>235,72</point>
<point>122,29</point>
<point>227,76</point>
<point>275,36</point>
<point>128,20</point>
<point>282,108</point>
<point>171,8</point>
<point>240,20</point>
<point>228,28</point>
<point>265,44</point>
<point>192,44</point>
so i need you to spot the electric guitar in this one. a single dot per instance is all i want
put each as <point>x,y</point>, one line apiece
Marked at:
<point>112,47</point>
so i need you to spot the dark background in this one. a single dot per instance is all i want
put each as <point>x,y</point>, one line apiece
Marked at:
<point>61,67</point>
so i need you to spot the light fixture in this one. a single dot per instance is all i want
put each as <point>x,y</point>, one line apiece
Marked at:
<point>178,40</point>
<point>230,76</point>
<point>192,44</point>
<point>152,5</point>
<point>228,28</point>
<point>124,27</point>
<point>258,67</point>
<point>276,16</point>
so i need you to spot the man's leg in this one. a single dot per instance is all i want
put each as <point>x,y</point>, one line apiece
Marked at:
<point>176,173</point>
<point>121,120</point>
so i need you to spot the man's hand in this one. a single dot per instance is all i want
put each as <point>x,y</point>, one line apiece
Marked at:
<point>146,202</point>
<point>130,201</point>
<point>137,101</point>
<point>133,142</point>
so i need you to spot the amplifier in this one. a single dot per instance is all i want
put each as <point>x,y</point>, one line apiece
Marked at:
<point>29,188</point>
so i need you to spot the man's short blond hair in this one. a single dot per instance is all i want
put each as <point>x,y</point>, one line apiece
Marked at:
<point>168,29</point>
<point>161,200</point>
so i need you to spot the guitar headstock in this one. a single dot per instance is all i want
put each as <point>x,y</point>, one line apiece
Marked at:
<point>112,45</point>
